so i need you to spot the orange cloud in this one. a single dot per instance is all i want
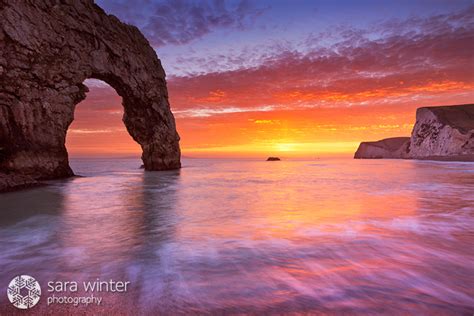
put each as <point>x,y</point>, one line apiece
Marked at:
<point>303,103</point>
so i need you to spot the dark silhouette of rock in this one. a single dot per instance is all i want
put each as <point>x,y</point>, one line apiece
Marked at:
<point>47,50</point>
<point>273,159</point>
<point>10,182</point>
<point>440,133</point>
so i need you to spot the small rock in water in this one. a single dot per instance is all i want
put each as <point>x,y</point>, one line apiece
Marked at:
<point>273,159</point>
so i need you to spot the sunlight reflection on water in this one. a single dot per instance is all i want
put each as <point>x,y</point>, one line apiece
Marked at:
<point>252,236</point>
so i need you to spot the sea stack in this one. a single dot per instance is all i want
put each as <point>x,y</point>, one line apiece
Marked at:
<point>440,133</point>
<point>273,159</point>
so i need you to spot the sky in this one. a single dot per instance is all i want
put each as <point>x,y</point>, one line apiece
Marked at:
<point>289,78</point>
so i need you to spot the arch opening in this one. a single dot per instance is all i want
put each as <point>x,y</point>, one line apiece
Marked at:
<point>97,129</point>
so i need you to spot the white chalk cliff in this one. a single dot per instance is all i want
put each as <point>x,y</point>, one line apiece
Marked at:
<point>440,133</point>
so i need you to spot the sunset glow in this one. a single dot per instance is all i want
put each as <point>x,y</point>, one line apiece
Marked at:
<point>253,87</point>
<point>237,157</point>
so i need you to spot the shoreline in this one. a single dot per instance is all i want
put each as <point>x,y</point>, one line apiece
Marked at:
<point>456,158</point>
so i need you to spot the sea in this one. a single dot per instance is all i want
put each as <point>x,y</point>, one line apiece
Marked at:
<point>247,236</point>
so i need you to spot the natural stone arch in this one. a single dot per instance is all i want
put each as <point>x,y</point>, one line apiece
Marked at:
<point>98,129</point>
<point>47,50</point>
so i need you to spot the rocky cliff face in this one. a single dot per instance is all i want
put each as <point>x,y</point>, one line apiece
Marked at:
<point>396,147</point>
<point>442,132</point>
<point>47,50</point>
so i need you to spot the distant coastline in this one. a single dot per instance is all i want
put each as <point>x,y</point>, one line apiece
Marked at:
<point>443,133</point>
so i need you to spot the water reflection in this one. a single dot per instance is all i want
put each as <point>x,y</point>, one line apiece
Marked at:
<point>224,236</point>
<point>87,227</point>
<point>18,206</point>
<point>120,222</point>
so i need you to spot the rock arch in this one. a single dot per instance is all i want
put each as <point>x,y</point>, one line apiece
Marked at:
<point>47,50</point>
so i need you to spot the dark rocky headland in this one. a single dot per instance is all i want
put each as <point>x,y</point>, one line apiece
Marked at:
<point>47,50</point>
<point>440,133</point>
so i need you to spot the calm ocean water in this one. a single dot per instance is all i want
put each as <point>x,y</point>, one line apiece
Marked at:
<point>246,236</point>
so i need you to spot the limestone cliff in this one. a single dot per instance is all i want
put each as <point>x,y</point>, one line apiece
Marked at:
<point>443,131</point>
<point>440,133</point>
<point>396,147</point>
<point>47,50</point>
<point>10,182</point>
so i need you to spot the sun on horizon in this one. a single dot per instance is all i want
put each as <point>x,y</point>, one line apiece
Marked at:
<point>279,81</point>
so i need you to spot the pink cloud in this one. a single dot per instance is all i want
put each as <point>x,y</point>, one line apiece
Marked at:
<point>436,58</point>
